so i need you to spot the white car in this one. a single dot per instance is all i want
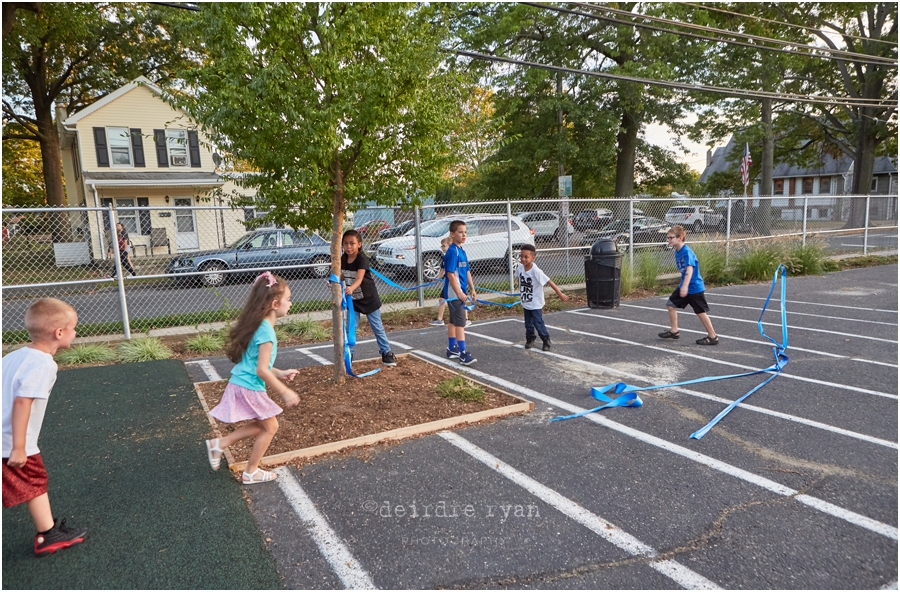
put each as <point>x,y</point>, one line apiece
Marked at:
<point>695,218</point>
<point>487,241</point>
<point>545,224</point>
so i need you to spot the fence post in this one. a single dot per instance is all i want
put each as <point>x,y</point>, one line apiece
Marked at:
<point>631,235</point>
<point>509,264</point>
<point>866,229</point>
<point>120,277</point>
<point>805,210</point>
<point>728,206</point>
<point>420,291</point>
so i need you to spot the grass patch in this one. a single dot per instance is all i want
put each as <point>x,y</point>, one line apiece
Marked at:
<point>86,353</point>
<point>205,343</point>
<point>627,279</point>
<point>461,389</point>
<point>864,261</point>
<point>808,259</point>
<point>758,262</point>
<point>712,263</point>
<point>143,349</point>
<point>307,328</point>
<point>648,269</point>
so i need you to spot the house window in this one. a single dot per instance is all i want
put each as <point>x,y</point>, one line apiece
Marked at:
<point>128,218</point>
<point>874,183</point>
<point>177,146</point>
<point>807,185</point>
<point>119,140</point>
<point>825,185</point>
<point>779,187</point>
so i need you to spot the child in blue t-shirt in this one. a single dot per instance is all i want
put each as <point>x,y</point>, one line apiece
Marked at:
<point>689,291</point>
<point>457,281</point>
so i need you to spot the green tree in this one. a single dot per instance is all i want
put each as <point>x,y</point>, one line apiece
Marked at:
<point>72,54</point>
<point>23,179</point>
<point>333,105</point>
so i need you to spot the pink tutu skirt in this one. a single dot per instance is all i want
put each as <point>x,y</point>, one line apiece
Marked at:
<point>239,404</point>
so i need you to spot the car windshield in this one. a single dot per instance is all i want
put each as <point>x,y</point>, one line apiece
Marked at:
<point>240,242</point>
<point>437,228</point>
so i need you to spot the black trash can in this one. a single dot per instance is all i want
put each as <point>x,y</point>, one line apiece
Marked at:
<point>603,274</point>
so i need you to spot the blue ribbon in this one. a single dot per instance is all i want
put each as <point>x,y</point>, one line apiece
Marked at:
<point>398,286</point>
<point>781,360</point>
<point>349,326</point>
<point>490,303</point>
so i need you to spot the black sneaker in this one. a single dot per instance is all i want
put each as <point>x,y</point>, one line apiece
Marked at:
<point>58,537</point>
<point>546,346</point>
<point>529,342</point>
<point>387,359</point>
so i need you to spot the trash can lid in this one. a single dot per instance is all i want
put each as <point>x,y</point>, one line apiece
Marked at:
<point>604,246</point>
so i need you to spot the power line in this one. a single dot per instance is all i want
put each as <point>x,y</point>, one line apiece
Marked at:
<point>786,97</point>
<point>774,22</point>
<point>848,54</point>
<point>692,35</point>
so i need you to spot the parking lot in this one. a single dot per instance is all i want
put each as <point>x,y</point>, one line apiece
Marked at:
<point>796,488</point>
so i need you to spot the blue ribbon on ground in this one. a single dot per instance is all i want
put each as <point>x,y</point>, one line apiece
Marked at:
<point>349,325</point>
<point>781,360</point>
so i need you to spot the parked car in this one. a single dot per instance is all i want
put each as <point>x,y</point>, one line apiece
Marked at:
<point>592,219</point>
<point>646,230</point>
<point>263,248</point>
<point>397,230</point>
<point>372,228</point>
<point>486,242</point>
<point>545,224</point>
<point>696,218</point>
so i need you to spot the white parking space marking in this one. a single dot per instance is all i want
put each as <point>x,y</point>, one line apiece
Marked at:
<point>871,524</point>
<point>748,407</point>
<point>681,575</point>
<point>345,566</point>
<point>804,302</point>
<point>732,364</point>
<point>207,368</point>
<point>729,337</point>
<point>809,314</point>
<point>315,357</point>
<point>798,328</point>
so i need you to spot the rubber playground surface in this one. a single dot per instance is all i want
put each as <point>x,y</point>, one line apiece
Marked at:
<point>794,489</point>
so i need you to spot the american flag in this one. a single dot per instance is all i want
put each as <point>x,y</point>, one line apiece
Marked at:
<point>745,165</point>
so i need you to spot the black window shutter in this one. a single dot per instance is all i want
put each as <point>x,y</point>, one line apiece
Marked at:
<point>100,145</point>
<point>137,147</point>
<point>194,149</point>
<point>161,158</point>
<point>144,215</point>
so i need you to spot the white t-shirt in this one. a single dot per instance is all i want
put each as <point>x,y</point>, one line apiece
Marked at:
<point>31,373</point>
<point>531,286</point>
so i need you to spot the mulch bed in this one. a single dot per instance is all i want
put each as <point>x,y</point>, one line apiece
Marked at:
<point>396,397</point>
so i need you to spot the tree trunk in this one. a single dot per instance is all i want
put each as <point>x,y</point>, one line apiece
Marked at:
<point>863,167</point>
<point>337,226</point>
<point>763,219</point>
<point>48,140</point>
<point>626,142</point>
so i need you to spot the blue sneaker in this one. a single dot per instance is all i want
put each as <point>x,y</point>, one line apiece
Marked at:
<point>465,358</point>
<point>452,353</point>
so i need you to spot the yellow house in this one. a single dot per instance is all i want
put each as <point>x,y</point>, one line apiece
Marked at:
<point>133,151</point>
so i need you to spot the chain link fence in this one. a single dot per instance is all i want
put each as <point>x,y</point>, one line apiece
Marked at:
<point>183,266</point>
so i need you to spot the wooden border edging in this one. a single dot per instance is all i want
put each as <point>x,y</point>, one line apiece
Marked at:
<point>395,434</point>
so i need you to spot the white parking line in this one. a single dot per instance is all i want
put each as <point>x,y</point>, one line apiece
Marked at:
<point>808,314</point>
<point>732,364</point>
<point>871,524</point>
<point>698,394</point>
<point>803,302</point>
<point>330,545</point>
<point>315,357</point>
<point>798,328</point>
<point>207,369</point>
<point>729,337</point>
<point>681,575</point>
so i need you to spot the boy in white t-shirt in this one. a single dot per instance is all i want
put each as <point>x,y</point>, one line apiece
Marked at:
<point>531,286</point>
<point>28,375</point>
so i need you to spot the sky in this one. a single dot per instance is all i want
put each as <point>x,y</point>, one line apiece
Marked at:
<point>659,134</point>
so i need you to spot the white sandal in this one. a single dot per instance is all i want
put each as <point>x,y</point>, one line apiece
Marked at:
<point>214,461</point>
<point>258,476</point>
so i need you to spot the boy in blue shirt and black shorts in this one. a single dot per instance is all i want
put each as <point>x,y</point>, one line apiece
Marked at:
<point>457,280</point>
<point>689,291</point>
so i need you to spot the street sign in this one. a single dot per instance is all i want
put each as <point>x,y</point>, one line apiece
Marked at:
<point>565,186</point>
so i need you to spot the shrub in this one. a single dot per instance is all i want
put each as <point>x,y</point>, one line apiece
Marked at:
<point>144,349</point>
<point>86,353</point>
<point>758,262</point>
<point>307,328</point>
<point>806,259</point>
<point>627,282</point>
<point>712,262</point>
<point>461,389</point>
<point>648,268</point>
<point>205,343</point>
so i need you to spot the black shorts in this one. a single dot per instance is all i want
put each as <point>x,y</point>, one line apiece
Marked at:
<point>457,313</point>
<point>697,301</point>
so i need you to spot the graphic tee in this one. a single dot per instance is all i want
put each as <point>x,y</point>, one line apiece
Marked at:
<point>30,373</point>
<point>244,372</point>
<point>365,297</point>
<point>531,286</point>
<point>684,258</point>
<point>455,261</point>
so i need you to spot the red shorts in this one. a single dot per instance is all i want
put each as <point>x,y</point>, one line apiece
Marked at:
<point>24,483</point>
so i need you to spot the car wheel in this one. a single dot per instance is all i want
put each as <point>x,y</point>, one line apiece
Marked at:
<point>697,227</point>
<point>322,267</point>
<point>213,276</point>
<point>431,266</point>
<point>516,258</point>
